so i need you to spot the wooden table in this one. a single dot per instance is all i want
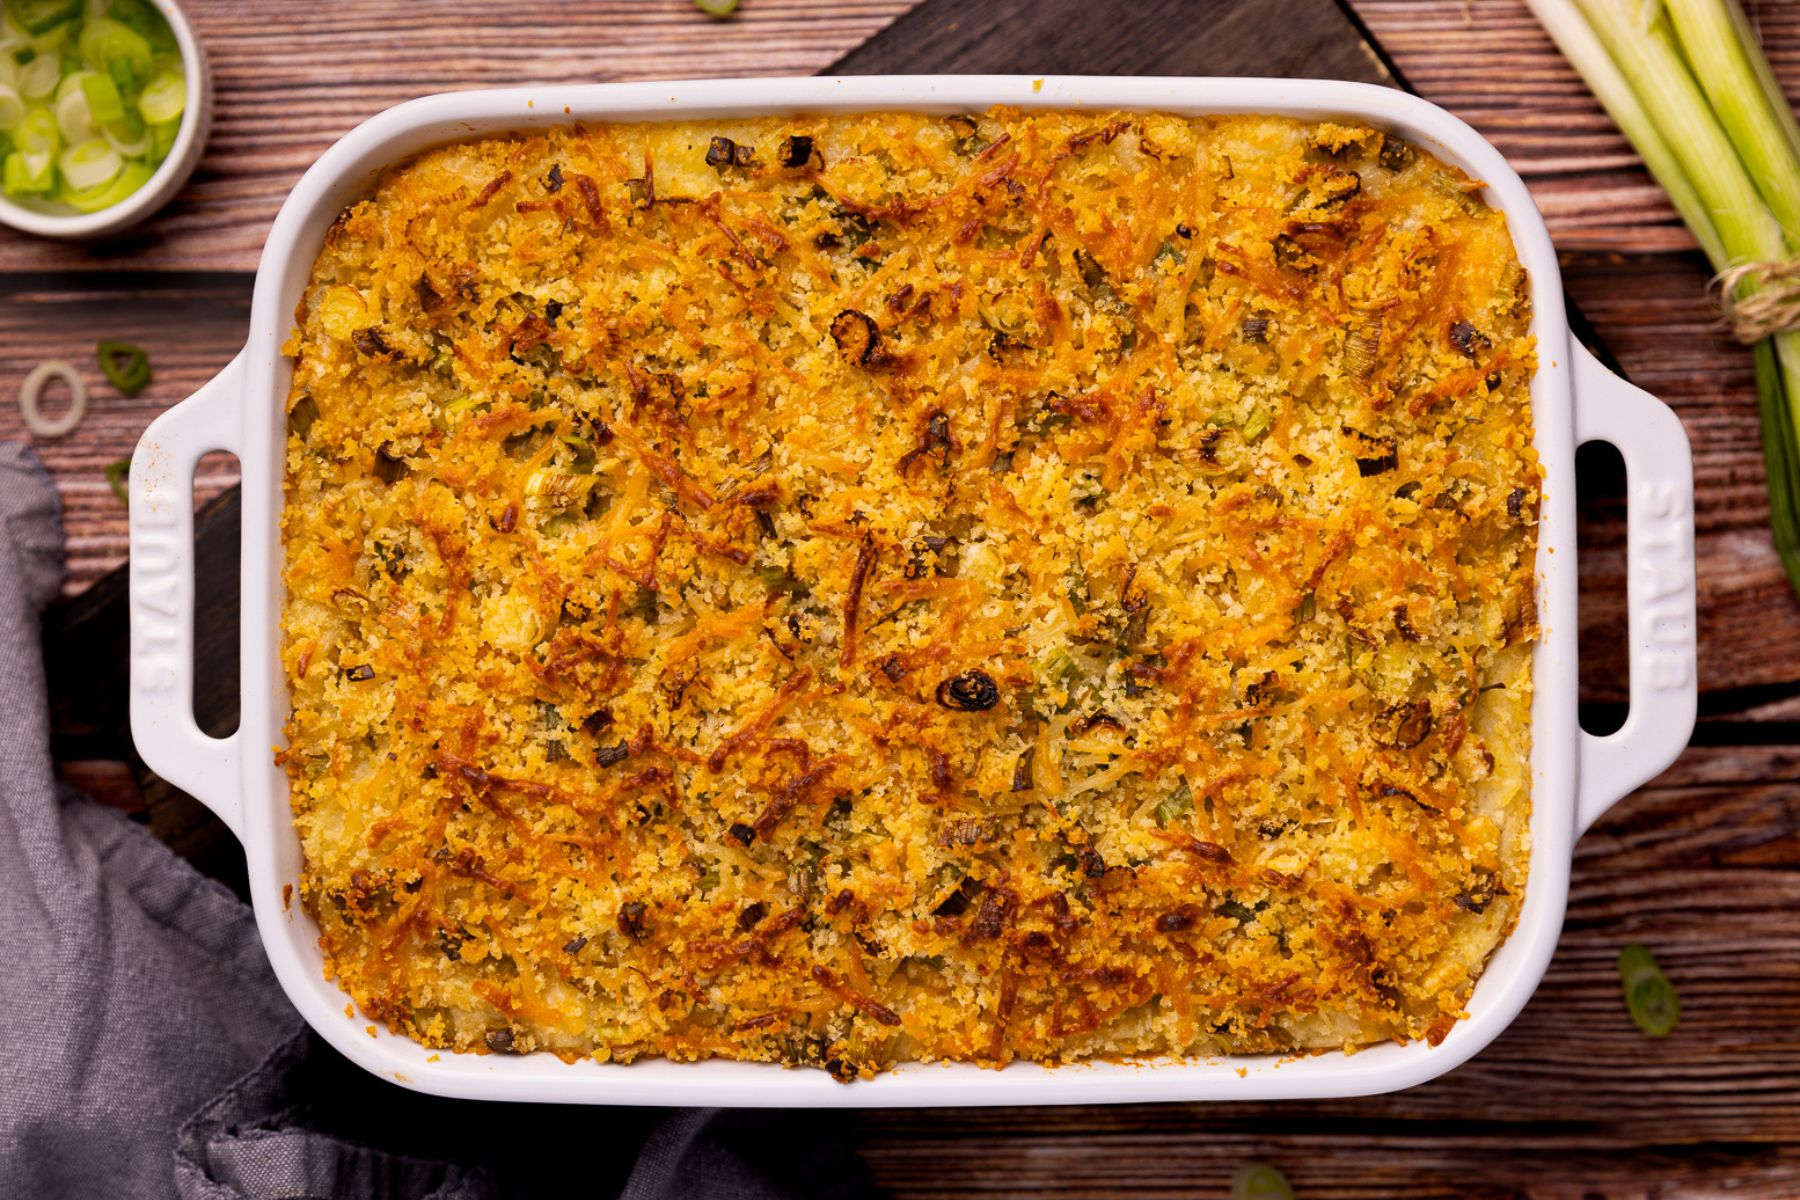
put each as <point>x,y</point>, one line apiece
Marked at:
<point>1701,865</point>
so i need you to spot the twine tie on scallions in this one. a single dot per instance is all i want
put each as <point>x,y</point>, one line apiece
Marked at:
<point>1759,300</point>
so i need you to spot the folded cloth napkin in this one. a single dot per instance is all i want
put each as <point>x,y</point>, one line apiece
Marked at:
<point>148,1051</point>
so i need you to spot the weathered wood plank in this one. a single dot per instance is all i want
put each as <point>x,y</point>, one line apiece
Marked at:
<point>293,78</point>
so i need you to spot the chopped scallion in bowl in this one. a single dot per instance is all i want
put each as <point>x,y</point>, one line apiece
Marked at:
<point>94,99</point>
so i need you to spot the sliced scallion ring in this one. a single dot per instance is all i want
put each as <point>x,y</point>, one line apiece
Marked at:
<point>117,473</point>
<point>90,164</point>
<point>1649,996</point>
<point>716,8</point>
<point>162,139</point>
<point>134,176</point>
<point>9,68</point>
<point>36,136</point>
<point>12,105</point>
<point>22,176</point>
<point>164,97</point>
<point>125,366</point>
<point>103,97</point>
<point>71,82</point>
<point>39,77</point>
<point>31,395</point>
<point>130,137</point>
<point>1260,1181</point>
<point>117,49</point>
<point>74,119</point>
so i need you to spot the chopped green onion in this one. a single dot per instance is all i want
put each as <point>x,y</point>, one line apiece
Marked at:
<point>19,177</point>
<point>125,366</point>
<point>36,136</point>
<point>1649,996</point>
<point>1179,804</point>
<point>716,8</point>
<point>781,580</point>
<point>1257,423</point>
<point>117,49</point>
<point>103,98</point>
<point>12,105</point>
<point>116,475</point>
<point>134,176</point>
<point>142,16</point>
<point>162,139</point>
<point>9,70</point>
<point>38,16</point>
<point>130,136</point>
<point>1236,910</point>
<point>39,77</point>
<point>163,97</point>
<point>89,165</point>
<point>1260,1181</point>
<point>74,117</point>
<point>1060,667</point>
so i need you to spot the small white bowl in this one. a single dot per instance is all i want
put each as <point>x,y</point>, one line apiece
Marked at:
<point>184,155</point>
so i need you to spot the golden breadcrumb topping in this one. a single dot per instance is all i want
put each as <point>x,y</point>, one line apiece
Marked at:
<point>856,589</point>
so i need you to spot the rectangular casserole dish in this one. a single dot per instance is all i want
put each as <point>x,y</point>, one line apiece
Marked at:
<point>1575,776</point>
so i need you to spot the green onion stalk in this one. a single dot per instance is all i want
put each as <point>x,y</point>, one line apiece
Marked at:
<point>1688,84</point>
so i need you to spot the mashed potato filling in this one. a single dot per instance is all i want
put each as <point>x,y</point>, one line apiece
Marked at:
<point>857,589</point>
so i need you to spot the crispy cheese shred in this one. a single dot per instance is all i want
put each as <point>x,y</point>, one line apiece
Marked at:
<point>1003,586</point>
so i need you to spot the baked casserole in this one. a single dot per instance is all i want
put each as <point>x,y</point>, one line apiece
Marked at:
<point>846,590</point>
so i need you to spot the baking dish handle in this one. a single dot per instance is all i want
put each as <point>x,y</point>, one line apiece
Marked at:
<point>1659,582</point>
<point>162,595</point>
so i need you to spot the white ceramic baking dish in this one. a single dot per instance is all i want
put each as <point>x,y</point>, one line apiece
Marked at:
<point>1575,776</point>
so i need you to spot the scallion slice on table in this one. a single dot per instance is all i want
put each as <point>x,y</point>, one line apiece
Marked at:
<point>1649,996</point>
<point>1260,1181</point>
<point>125,366</point>
<point>91,99</point>
<point>116,475</point>
<point>1688,84</point>
<point>716,8</point>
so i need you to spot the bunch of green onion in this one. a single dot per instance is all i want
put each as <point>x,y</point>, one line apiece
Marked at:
<point>91,97</point>
<point>1688,84</point>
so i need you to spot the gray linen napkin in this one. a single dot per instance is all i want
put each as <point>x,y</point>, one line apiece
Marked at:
<point>147,1051</point>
